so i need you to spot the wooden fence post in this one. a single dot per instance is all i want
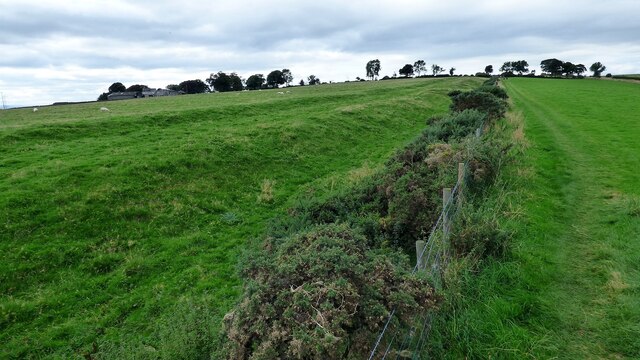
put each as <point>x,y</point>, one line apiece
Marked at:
<point>446,195</point>
<point>420,245</point>
<point>461,179</point>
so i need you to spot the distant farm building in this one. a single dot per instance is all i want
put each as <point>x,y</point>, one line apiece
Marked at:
<point>142,94</point>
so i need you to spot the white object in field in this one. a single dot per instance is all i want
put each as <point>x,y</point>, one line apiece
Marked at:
<point>35,109</point>
<point>104,109</point>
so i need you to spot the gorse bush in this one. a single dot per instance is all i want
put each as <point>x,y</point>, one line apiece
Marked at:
<point>495,90</point>
<point>454,126</point>
<point>321,294</point>
<point>486,102</point>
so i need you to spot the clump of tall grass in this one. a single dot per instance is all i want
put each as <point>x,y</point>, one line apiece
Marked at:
<point>266,191</point>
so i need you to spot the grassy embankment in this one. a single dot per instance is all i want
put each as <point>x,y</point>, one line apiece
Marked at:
<point>570,287</point>
<point>111,221</point>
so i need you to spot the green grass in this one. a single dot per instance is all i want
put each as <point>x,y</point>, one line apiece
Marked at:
<point>111,222</point>
<point>571,287</point>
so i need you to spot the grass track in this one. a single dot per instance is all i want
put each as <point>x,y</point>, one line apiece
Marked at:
<point>108,220</point>
<point>580,246</point>
<point>570,287</point>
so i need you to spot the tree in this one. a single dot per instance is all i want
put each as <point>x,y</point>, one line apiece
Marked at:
<point>451,71</point>
<point>436,69</point>
<point>220,82</point>
<point>373,68</point>
<point>313,80</point>
<point>597,68</point>
<point>406,70</point>
<point>301,82</point>
<point>419,67</point>
<point>196,86</point>
<point>288,77</point>
<point>117,87</point>
<point>255,82</point>
<point>488,69</point>
<point>275,78</point>
<point>137,88</point>
<point>580,69</point>
<point>568,68</point>
<point>552,66</point>
<point>506,68</point>
<point>103,97</point>
<point>173,87</point>
<point>520,66</point>
<point>236,82</point>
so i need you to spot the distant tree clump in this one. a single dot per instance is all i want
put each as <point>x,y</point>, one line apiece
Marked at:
<point>373,68</point>
<point>511,67</point>
<point>237,84</point>
<point>174,87</point>
<point>255,82</point>
<point>597,68</point>
<point>436,69</point>
<point>488,69</point>
<point>275,78</point>
<point>301,82</point>
<point>555,67</point>
<point>406,70</point>
<point>220,82</point>
<point>288,76</point>
<point>117,87</point>
<point>313,80</point>
<point>552,66</point>
<point>103,97</point>
<point>137,88</point>
<point>419,67</point>
<point>196,86</point>
<point>451,71</point>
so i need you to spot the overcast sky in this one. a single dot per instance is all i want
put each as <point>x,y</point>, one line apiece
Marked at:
<point>73,50</point>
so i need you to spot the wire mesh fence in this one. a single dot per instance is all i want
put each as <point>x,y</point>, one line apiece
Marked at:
<point>432,256</point>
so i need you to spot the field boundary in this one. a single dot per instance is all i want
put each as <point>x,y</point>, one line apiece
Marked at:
<point>432,258</point>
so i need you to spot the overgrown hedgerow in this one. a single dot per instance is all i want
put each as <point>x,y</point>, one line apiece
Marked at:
<point>332,270</point>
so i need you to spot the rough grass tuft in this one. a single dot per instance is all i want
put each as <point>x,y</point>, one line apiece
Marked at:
<point>266,191</point>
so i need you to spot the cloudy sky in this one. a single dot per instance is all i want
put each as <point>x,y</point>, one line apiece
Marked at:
<point>72,50</point>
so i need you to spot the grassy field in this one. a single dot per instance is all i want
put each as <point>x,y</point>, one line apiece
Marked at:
<point>110,223</point>
<point>571,287</point>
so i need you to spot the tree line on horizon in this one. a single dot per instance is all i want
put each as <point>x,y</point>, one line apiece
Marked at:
<point>223,82</point>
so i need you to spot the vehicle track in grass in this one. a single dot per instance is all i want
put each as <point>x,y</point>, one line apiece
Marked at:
<point>580,240</point>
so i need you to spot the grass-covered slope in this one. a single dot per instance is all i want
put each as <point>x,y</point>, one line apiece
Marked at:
<point>110,219</point>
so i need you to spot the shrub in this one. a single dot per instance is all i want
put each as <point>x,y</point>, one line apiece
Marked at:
<point>495,90</point>
<point>322,294</point>
<point>454,126</point>
<point>493,106</point>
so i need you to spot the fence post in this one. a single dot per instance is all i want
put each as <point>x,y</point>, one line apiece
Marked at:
<point>446,195</point>
<point>420,245</point>
<point>461,177</point>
